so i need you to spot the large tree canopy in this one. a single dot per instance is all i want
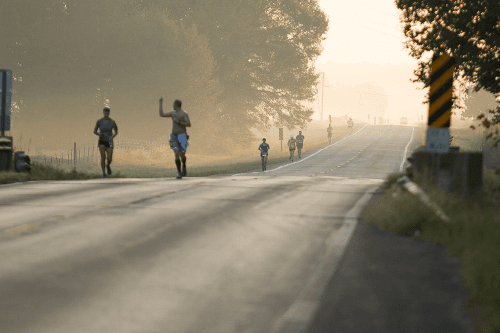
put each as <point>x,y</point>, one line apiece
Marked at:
<point>71,58</point>
<point>467,30</point>
<point>264,51</point>
<point>478,102</point>
<point>236,64</point>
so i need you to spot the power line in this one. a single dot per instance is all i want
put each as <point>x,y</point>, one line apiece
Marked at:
<point>389,26</point>
<point>375,8</point>
<point>359,25</point>
<point>379,31</point>
<point>367,19</point>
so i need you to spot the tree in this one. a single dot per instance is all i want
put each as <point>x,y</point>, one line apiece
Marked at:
<point>478,102</point>
<point>264,53</point>
<point>236,64</point>
<point>74,57</point>
<point>467,30</point>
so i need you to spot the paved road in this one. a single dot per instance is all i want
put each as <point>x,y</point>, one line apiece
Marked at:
<point>228,253</point>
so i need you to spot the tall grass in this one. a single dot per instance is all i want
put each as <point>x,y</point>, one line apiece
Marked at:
<point>159,162</point>
<point>472,236</point>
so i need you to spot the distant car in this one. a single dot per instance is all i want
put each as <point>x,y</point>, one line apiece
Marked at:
<point>404,121</point>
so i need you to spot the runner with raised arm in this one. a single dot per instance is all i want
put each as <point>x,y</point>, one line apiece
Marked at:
<point>264,150</point>
<point>106,125</point>
<point>178,137</point>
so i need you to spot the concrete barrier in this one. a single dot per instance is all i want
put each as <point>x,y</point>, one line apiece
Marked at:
<point>454,172</point>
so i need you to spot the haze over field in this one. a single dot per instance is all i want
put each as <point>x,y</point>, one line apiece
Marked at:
<point>70,59</point>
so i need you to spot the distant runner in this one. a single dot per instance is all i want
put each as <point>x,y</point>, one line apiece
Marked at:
<point>291,146</point>
<point>178,137</point>
<point>264,150</point>
<point>300,141</point>
<point>106,126</point>
<point>329,130</point>
<point>350,124</point>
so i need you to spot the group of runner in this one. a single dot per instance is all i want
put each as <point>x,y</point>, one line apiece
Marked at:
<point>179,139</point>
<point>298,143</point>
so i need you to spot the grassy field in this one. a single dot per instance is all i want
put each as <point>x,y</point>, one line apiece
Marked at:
<point>142,164</point>
<point>471,237</point>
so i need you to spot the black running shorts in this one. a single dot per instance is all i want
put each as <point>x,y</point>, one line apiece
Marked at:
<point>105,143</point>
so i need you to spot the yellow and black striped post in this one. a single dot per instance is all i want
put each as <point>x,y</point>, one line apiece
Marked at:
<point>441,91</point>
<point>440,103</point>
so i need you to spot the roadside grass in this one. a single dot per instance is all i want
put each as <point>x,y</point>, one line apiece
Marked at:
<point>46,172</point>
<point>133,171</point>
<point>150,165</point>
<point>39,171</point>
<point>472,236</point>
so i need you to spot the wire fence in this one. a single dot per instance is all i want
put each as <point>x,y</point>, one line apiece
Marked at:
<point>89,154</point>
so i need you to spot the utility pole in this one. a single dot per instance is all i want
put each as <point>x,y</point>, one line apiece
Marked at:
<point>322,93</point>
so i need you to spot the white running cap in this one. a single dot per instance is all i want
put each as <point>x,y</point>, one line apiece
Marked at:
<point>291,136</point>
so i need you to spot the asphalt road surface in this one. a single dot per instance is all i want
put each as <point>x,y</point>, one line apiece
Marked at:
<point>228,253</point>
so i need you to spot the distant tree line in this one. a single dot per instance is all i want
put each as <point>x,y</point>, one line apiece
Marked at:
<point>238,64</point>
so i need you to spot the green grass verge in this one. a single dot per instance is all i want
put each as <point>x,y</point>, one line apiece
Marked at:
<point>46,172</point>
<point>472,236</point>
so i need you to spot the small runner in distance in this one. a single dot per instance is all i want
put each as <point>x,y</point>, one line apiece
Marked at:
<point>300,141</point>
<point>264,150</point>
<point>291,146</point>
<point>350,124</point>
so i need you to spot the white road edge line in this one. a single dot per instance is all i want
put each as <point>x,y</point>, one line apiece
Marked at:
<point>301,160</point>
<point>300,314</point>
<point>406,149</point>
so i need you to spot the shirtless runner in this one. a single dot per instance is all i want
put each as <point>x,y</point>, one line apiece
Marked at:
<point>178,137</point>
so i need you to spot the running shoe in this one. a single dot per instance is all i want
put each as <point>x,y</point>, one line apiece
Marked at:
<point>108,168</point>
<point>104,176</point>
<point>179,175</point>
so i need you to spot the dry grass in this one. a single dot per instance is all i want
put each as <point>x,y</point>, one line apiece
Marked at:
<point>471,237</point>
<point>163,157</point>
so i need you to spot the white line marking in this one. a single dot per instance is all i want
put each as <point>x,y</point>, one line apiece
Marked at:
<point>406,150</point>
<point>302,160</point>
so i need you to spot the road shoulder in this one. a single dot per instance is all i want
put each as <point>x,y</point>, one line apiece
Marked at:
<point>387,282</point>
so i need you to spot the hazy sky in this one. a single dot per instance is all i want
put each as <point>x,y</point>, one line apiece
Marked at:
<point>364,30</point>
<point>369,32</point>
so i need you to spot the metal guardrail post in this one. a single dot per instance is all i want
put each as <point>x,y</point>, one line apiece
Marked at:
<point>415,190</point>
